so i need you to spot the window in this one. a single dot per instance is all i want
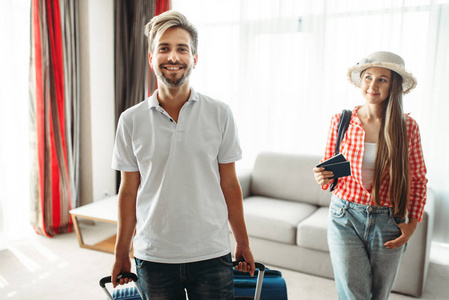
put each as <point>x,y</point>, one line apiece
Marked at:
<point>281,66</point>
<point>14,123</point>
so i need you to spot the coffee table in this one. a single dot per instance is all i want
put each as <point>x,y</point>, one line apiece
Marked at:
<point>103,211</point>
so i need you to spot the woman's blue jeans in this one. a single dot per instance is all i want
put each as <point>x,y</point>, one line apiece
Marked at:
<point>205,280</point>
<point>363,267</point>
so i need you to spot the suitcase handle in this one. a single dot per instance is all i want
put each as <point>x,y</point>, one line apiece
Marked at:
<point>108,279</point>
<point>259,265</point>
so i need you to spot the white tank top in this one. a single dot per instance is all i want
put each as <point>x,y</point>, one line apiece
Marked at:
<point>369,157</point>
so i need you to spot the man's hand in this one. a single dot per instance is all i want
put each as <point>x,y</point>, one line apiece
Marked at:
<point>407,230</point>
<point>126,225</point>
<point>120,266</point>
<point>233,197</point>
<point>245,256</point>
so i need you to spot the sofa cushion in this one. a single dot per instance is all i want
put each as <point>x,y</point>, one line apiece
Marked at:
<point>275,219</point>
<point>312,231</point>
<point>288,177</point>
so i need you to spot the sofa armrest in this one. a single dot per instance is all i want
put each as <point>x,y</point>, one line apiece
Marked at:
<point>244,177</point>
<point>429,209</point>
<point>430,205</point>
<point>412,274</point>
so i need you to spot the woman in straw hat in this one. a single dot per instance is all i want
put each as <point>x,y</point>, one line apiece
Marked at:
<point>375,210</point>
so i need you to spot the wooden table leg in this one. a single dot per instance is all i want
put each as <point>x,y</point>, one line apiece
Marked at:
<point>78,231</point>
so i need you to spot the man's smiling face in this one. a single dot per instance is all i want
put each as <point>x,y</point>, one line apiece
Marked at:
<point>172,59</point>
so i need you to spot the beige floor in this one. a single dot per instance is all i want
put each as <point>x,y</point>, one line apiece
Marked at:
<point>56,268</point>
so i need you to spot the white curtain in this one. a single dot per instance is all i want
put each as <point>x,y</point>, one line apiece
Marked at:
<point>281,65</point>
<point>14,124</point>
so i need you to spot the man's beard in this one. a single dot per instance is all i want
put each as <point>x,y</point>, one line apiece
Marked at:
<point>174,82</point>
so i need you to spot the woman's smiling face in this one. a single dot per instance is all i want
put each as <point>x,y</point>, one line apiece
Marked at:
<point>375,84</point>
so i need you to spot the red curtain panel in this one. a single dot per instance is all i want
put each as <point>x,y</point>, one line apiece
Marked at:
<point>161,6</point>
<point>51,190</point>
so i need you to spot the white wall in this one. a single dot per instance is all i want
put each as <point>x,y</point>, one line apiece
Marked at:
<point>97,179</point>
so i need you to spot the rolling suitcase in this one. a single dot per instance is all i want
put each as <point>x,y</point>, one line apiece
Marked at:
<point>245,286</point>
<point>268,285</point>
<point>245,291</point>
<point>132,293</point>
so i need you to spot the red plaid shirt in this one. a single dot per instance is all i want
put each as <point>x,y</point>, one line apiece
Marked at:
<point>350,188</point>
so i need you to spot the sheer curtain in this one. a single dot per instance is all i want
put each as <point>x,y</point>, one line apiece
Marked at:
<point>14,163</point>
<point>281,65</point>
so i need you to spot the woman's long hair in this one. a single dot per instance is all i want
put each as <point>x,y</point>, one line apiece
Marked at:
<point>392,151</point>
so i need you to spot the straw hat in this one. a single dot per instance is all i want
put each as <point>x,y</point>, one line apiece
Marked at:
<point>385,60</point>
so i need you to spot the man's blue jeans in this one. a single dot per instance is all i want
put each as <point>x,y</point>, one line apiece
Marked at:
<point>363,267</point>
<point>205,280</point>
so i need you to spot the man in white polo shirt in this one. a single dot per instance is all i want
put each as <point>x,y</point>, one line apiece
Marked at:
<point>176,152</point>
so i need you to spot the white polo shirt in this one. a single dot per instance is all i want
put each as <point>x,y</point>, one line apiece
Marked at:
<point>181,211</point>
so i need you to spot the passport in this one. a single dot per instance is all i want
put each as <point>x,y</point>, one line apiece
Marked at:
<point>338,165</point>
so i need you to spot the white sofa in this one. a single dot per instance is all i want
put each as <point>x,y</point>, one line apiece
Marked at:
<point>286,215</point>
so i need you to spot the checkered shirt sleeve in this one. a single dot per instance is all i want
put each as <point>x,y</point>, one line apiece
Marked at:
<point>418,180</point>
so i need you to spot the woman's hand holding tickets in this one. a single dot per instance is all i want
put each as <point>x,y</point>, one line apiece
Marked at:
<point>322,176</point>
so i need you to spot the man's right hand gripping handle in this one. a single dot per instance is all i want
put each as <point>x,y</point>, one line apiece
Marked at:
<point>121,265</point>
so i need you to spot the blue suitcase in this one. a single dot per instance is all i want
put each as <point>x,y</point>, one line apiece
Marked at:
<point>273,286</point>
<point>245,286</point>
<point>132,293</point>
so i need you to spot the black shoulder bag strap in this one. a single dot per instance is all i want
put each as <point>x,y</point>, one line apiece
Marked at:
<point>341,130</point>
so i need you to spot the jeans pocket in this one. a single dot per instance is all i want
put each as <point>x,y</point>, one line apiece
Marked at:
<point>140,264</point>
<point>226,260</point>
<point>337,210</point>
<point>397,221</point>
